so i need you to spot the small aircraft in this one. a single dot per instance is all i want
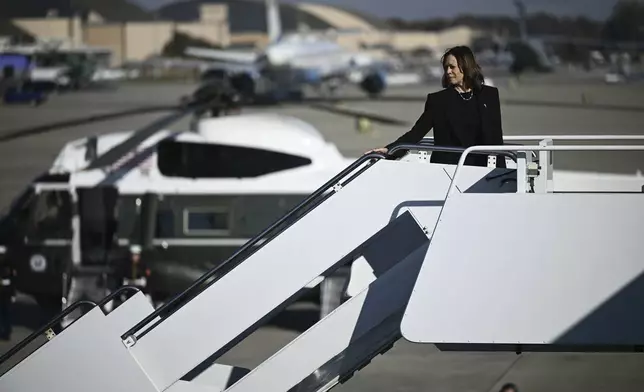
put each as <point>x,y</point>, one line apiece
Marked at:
<point>292,61</point>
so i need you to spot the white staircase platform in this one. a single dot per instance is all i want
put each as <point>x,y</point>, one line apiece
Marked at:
<point>481,261</point>
<point>356,331</point>
<point>533,269</point>
<point>316,243</point>
<point>216,378</point>
<point>89,352</point>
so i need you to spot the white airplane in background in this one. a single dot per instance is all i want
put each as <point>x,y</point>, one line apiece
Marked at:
<point>291,61</point>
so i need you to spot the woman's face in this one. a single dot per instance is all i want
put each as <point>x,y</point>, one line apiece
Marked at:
<point>452,70</point>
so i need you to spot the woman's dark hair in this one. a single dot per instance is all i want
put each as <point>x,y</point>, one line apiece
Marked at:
<point>472,75</point>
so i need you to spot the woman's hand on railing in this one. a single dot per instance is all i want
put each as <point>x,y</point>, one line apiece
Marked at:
<point>381,150</point>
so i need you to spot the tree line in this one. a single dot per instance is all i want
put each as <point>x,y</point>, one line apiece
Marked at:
<point>626,23</point>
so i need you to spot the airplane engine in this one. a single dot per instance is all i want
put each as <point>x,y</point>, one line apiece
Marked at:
<point>374,84</point>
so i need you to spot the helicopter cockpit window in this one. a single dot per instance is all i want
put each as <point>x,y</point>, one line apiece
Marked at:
<point>194,160</point>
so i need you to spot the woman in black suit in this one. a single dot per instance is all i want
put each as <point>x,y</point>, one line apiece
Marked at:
<point>465,113</point>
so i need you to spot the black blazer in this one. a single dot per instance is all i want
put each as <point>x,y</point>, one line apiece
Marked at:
<point>444,117</point>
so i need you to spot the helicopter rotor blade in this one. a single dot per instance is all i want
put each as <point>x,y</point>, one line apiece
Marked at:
<point>356,113</point>
<point>116,153</point>
<point>50,127</point>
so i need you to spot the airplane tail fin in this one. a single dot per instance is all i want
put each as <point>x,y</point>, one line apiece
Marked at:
<point>273,22</point>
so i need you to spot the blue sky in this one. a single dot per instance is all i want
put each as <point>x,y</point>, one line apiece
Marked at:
<point>423,9</point>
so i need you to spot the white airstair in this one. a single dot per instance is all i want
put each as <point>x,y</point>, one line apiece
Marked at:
<point>525,258</point>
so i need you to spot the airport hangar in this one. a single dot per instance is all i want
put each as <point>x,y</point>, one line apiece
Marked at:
<point>134,35</point>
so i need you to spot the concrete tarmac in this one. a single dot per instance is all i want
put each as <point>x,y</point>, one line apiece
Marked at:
<point>537,106</point>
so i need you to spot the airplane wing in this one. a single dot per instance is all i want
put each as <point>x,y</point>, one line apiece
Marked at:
<point>224,56</point>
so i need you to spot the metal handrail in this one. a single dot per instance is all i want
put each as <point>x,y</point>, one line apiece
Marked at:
<point>461,150</point>
<point>235,259</point>
<point>476,149</point>
<point>430,141</point>
<point>574,137</point>
<point>43,329</point>
<point>561,137</point>
<point>113,295</point>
